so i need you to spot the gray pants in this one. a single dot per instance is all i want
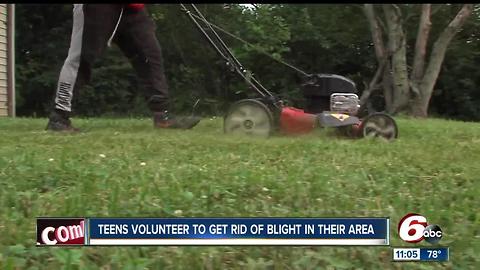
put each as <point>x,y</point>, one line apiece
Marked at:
<point>93,26</point>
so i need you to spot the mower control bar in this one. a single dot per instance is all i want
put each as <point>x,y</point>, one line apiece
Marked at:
<point>222,49</point>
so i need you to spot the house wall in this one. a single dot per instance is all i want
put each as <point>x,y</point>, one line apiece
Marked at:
<point>4,111</point>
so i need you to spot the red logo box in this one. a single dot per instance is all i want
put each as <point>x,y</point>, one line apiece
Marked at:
<point>60,231</point>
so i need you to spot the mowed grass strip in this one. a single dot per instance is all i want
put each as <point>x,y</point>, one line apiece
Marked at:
<point>125,168</point>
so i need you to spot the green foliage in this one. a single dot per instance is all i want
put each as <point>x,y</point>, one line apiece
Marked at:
<point>42,36</point>
<point>458,92</point>
<point>326,38</point>
<point>204,173</point>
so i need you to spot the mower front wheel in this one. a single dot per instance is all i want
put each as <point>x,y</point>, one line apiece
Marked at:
<point>249,117</point>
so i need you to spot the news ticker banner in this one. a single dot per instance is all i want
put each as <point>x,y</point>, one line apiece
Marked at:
<point>440,254</point>
<point>213,231</point>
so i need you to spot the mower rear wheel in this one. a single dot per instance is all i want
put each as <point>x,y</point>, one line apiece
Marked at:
<point>249,117</point>
<point>379,125</point>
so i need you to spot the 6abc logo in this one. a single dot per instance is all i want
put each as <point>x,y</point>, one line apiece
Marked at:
<point>414,228</point>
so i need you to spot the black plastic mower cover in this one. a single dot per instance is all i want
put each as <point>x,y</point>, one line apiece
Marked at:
<point>317,89</point>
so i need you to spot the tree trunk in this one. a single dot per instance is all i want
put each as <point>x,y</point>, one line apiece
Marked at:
<point>421,46</point>
<point>420,102</point>
<point>397,48</point>
<point>377,35</point>
<point>374,84</point>
<point>382,59</point>
<point>387,83</point>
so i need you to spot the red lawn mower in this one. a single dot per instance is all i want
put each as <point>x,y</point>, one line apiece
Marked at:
<point>332,100</point>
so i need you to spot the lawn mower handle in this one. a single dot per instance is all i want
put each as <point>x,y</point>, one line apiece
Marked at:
<point>223,51</point>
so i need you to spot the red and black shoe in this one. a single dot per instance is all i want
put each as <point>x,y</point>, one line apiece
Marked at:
<point>59,121</point>
<point>167,120</point>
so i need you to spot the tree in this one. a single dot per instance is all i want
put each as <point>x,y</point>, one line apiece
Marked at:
<point>408,90</point>
<point>316,38</point>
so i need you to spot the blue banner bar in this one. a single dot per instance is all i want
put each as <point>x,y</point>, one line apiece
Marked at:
<point>242,231</point>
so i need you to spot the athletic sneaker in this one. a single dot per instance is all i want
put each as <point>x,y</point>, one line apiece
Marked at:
<point>60,122</point>
<point>167,120</point>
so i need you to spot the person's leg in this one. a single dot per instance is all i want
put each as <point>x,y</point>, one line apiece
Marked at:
<point>92,26</point>
<point>137,40</point>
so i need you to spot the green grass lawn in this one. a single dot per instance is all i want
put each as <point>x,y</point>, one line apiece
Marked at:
<point>125,168</point>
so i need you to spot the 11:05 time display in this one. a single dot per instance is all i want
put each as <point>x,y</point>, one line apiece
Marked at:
<point>406,254</point>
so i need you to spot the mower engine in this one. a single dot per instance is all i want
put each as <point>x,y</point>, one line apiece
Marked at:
<point>344,103</point>
<point>327,91</point>
<point>331,101</point>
